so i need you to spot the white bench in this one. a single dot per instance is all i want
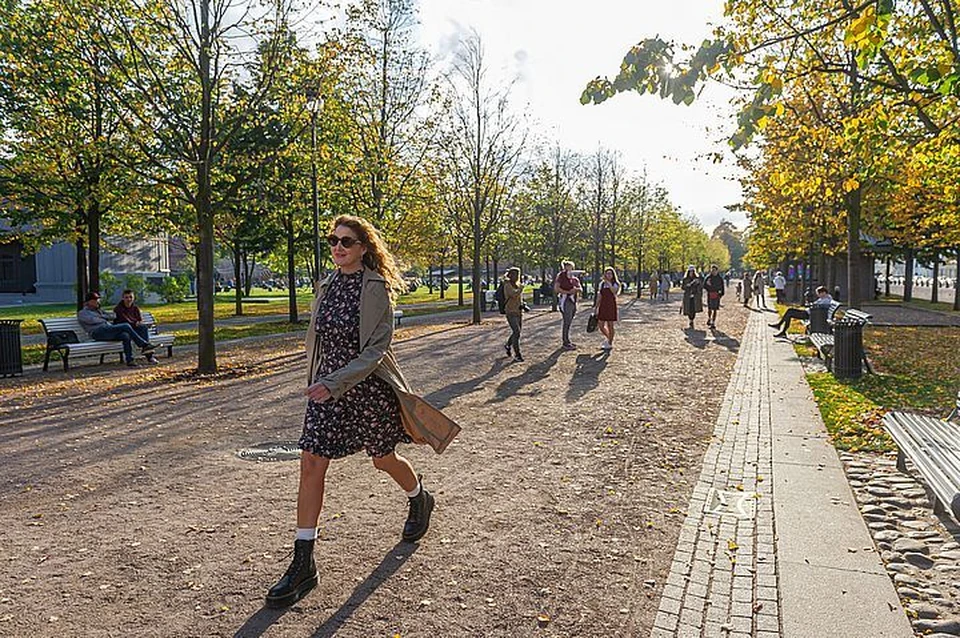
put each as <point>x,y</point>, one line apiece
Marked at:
<point>67,337</point>
<point>934,447</point>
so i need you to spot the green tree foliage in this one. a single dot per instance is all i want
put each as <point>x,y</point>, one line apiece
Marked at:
<point>65,160</point>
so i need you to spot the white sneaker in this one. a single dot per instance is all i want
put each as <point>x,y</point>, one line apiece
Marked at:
<point>606,345</point>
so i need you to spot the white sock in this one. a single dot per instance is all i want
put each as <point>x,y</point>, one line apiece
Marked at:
<point>306,533</point>
<point>414,493</point>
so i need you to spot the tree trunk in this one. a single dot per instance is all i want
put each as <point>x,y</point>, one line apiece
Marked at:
<point>956,281</point>
<point>249,265</point>
<point>459,273</point>
<point>852,200</point>
<point>82,281</point>
<point>206,346</point>
<point>886,283</point>
<point>908,261</point>
<point>443,294</point>
<point>488,280</point>
<point>237,274</point>
<point>639,268</point>
<point>476,261</point>
<point>935,292</point>
<point>293,311</point>
<point>492,282</point>
<point>93,244</point>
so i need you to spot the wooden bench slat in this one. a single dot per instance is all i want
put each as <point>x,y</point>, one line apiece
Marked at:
<point>934,447</point>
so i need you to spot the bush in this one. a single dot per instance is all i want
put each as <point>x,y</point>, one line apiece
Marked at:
<point>109,286</point>
<point>173,289</point>
<point>136,283</point>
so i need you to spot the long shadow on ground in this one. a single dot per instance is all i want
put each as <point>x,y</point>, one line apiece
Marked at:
<point>536,372</point>
<point>441,398</point>
<point>389,565</point>
<point>586,376</point>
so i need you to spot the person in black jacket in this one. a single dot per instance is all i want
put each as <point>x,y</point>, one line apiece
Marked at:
<point>714,285</point>
<point>692,287</point>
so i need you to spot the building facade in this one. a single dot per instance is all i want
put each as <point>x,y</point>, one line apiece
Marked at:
<point>50,274</point>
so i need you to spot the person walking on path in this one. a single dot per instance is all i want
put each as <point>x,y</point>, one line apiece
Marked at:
<point>759,289</point>
<point>780,285</point>
<point>358,398</point>
<point>567,288</point>
<point>98,326</point>
<point>607,307</point>
<point>692,287</point>
<point>823,299</point>
<point>127,312</point>
<point>747,289</point>
<point>665,285</point>
<point>654,284</point>
<point>513,308</point>
<point>714,285</point>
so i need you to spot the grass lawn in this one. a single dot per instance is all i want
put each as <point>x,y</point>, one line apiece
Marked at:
<point>223,308</point>
<point>34,353</point>
<point>917,369</point>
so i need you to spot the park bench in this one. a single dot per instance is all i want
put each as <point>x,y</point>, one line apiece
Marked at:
<point>67,337</point>
<point>397,316</point>
<point>824,343</point>
<point>934,447</point>
<point>831,314</point>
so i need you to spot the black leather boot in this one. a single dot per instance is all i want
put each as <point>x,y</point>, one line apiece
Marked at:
<point>299,579</point>
<point>418,520</point>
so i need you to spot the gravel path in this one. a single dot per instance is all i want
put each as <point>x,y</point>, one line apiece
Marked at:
<point>128,512</point>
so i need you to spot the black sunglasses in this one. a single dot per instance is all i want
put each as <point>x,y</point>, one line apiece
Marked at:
<point>346,242</point>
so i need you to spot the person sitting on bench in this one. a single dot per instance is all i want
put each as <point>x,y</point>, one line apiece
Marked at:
<point>98,326</point>
<point>823,299</point>
<point>128,312</point>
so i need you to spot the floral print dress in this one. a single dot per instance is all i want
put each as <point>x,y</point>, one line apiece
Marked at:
<point>367,416</point>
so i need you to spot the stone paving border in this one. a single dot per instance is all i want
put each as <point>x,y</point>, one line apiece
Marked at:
<point>773,543</point>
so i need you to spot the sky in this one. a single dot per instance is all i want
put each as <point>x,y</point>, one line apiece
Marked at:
<point>552,49</point>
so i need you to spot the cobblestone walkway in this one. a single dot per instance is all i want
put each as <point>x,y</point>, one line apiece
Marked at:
<point>773,545</point>
<point>723,580</point>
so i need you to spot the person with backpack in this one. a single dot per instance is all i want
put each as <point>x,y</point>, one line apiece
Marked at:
<point>513,308</point>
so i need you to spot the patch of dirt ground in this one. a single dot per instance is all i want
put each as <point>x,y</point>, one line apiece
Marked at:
<point>127,512</point>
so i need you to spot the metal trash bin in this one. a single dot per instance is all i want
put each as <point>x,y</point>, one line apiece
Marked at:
<point>848,349</point>
<point>536,296</point>
<point>818,320</point>
<point>11,359</point>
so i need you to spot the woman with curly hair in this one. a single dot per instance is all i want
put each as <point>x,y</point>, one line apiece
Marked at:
<point>358,398</point>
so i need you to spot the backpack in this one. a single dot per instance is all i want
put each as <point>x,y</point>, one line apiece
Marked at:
<point>500,296</point>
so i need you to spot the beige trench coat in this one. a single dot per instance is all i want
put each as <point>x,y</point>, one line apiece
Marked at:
<point>423,422</point>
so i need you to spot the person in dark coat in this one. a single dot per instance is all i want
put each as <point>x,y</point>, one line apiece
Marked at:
<point>692,287</point>
<point>714,285</point>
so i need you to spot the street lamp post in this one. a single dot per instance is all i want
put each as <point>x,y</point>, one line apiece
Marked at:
<point>315,105</point>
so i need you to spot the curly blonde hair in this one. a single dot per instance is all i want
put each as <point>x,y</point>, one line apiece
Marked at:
<point>378,256</point>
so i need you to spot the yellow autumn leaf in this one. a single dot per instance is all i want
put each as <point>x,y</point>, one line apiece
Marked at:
<point>850,184</point>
